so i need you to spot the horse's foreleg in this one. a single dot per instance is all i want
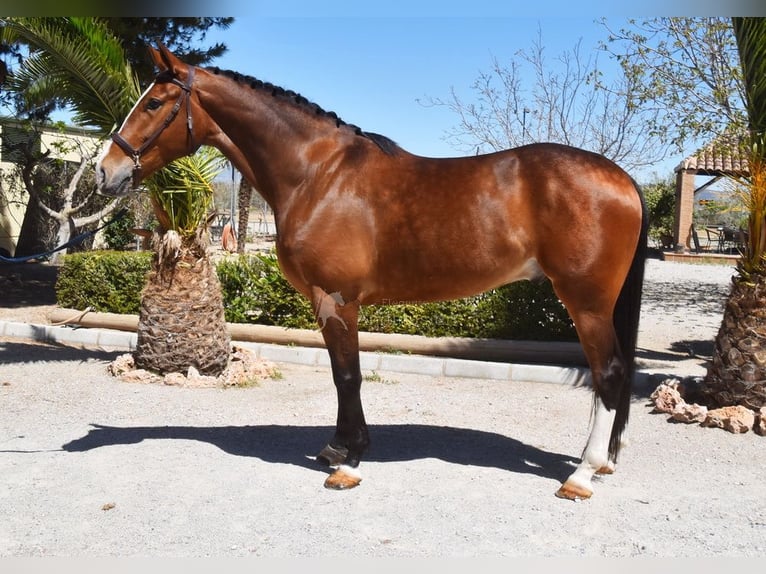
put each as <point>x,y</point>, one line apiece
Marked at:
<point>338,321</point>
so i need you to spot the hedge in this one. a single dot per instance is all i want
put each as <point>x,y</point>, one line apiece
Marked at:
<point>255,291</point>
<point>105,281</point>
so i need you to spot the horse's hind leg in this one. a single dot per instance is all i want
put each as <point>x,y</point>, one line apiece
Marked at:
<point>351,438</point>
<point>601,347</point>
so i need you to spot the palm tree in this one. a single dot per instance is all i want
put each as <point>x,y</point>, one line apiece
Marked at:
<point>181,320</point>
<point>79,63</point>
<point>737,374</point>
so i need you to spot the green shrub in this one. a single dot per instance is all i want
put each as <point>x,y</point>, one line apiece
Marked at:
<point>660,199</point>
<point>255,291</point>
<point>106,281</point>
<point>118,235</point>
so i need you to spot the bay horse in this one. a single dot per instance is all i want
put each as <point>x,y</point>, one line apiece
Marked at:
<point>360,221</point>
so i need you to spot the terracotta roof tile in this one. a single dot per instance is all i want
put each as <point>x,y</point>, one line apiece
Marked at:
<point>723,155</point>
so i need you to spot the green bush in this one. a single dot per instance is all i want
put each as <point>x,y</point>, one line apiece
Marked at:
<point>660,199</point>
<point>118,235</point>
<point>106,281</point>
<point>255,291</point>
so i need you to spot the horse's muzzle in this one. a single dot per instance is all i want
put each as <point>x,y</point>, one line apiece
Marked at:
<point>116,182</point>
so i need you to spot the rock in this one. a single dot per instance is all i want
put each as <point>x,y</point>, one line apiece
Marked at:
<point>245,369</point>
<point>666,398</point>
<point>121,364</point>
<point>140,376</point>
<point>202,381</point>
<point>760,422</point>
<point>689,413</point>
<point>736,419</point>
<point>174,380</point>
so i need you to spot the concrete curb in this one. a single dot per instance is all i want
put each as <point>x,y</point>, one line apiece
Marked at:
<point>114,340</point>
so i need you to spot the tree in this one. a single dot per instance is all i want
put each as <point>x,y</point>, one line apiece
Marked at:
<point>709,77</point>
<point>181,35</point>
<point>737,373</point>
<point>93,53</point>
<point>568,103</point>
<point>182,300</point>
<point>243,208</point>
<point>181,319</point>
<point>660,199</point>
<point>685,72</point>
<point>64,192</point>
<point>71,60</point>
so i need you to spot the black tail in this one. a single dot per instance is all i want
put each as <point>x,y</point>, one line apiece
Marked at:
<point>626,316</point>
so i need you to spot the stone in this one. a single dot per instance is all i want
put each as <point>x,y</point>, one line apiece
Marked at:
<point>666,398</point>
<point>689,413</point>
<point>140,376</point>
<point>244,369</point>
<point>174,380</point>
<point>122,364</point>
<point>760,422</point>
<point>736,419</point>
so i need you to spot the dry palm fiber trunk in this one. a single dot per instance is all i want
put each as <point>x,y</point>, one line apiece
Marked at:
<point>181,319</point>
<point>737,374</point>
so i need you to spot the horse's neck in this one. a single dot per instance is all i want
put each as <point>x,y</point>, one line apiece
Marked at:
<point>272,145</point>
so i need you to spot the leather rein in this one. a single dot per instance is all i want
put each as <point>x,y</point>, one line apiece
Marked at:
<point>135,153</point>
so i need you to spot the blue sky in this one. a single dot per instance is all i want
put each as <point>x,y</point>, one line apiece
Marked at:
<point>378,72</point>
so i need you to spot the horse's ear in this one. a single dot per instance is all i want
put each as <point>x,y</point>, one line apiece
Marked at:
<point>157,58</point>
<point>164,59</point>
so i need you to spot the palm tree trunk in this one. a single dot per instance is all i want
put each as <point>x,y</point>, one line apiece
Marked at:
<point>243,204</point>
<point>737,374</point>
<point>181,320</point>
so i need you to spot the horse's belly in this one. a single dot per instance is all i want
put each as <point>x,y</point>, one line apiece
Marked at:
<point>446,283</point>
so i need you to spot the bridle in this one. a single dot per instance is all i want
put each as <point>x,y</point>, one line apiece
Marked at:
<point>135,153</point>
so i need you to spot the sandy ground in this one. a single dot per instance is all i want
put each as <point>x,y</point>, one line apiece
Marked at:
<point>458,467</point>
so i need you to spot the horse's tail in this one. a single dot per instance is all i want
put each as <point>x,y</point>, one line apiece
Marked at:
<point>626,317</point>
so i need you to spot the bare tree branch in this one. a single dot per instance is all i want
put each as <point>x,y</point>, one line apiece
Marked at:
<point>567,102</point>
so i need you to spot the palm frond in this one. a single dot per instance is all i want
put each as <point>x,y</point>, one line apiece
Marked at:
<point>77,61</point>
<point>85,59</point>
<point>184,189</point>
<point>751,44</point>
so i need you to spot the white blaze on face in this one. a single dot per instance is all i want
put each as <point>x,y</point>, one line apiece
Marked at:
<point>109,142</point>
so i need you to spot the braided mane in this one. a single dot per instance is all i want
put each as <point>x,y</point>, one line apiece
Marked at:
<point>387,145</point>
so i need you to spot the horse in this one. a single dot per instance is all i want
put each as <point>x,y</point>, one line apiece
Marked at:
<point>361,221</point>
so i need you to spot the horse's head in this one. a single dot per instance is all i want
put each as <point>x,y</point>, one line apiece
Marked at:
<point>157,130</point>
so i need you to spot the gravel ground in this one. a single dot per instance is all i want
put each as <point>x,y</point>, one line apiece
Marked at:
<point>458,467</point>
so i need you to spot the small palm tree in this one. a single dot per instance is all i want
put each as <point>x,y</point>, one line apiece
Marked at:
<point>181,319</point>
<point>737,374</point>
<point>78,62</point>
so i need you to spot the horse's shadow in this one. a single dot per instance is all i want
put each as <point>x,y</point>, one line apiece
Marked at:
<point>287,444</point>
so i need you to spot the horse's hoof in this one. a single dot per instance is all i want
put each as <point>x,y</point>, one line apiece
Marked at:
<point>332,456</point>
<point>571,491</point>
<point>606,469</point>
<point>343,479</point>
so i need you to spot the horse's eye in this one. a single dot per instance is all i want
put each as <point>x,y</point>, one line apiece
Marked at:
<point>153,104</point>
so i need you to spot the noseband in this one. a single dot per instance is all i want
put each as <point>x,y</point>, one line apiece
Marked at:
<point>135,153</point>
